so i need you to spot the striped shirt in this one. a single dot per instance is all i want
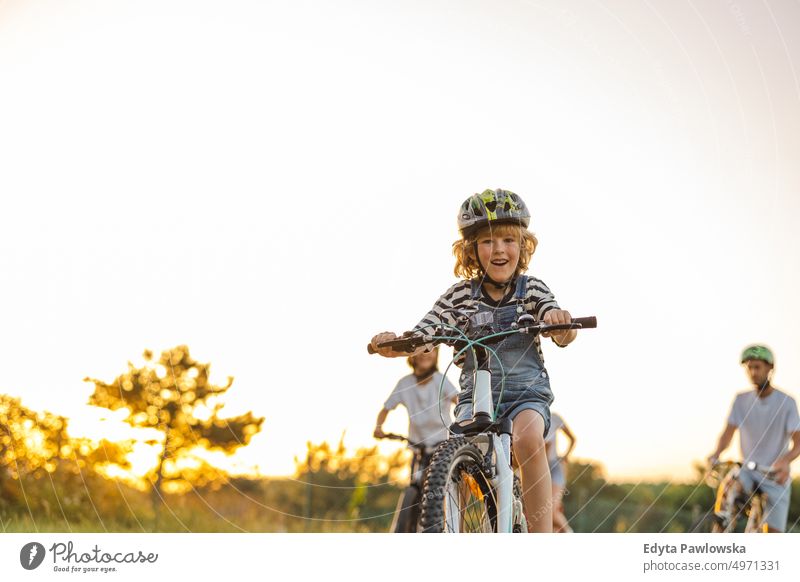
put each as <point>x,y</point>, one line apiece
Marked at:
<point>538,301</point>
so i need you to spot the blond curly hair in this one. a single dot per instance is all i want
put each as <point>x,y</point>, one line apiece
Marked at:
<point>467,265</point>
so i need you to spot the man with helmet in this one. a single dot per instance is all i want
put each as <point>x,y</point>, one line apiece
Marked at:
<point>767,420</point>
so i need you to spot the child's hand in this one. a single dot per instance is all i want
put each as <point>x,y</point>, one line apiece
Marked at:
<point>384,337</point>
<point>559,316</point>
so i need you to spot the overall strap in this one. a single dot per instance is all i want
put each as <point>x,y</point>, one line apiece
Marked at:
<point>475,288</point>
<point>522,288</point>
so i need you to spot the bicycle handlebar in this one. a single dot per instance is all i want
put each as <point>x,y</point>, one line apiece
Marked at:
<point>767,470</point>
<point>410,341</point>
<point>394,437</point>
<point>398,437</point>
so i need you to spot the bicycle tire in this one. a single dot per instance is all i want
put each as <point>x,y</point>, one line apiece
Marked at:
<point>708,523</point>
<point>457,496</point>
<point>406,516</point>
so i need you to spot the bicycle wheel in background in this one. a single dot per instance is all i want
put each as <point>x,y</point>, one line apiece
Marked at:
<point>755,516</point>
<point>709,523</point>
<point>407,513</point>
<point>457,496</point>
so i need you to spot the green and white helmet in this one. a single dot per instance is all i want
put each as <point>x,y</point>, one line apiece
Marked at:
<point>758,353</point>
<point>492,207</point>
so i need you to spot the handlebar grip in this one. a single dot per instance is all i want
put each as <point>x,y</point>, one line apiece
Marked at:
<point>586,322</point>
<point>383,345</point>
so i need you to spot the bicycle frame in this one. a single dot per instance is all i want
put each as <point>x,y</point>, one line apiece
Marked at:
<point>503,476</point>
<point>406,511</point>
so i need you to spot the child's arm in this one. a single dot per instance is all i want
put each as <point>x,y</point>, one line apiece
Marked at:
<point>571,437</point>
<point>379,434</point>
<point>436,316</point>
<point>441,313</point>
<point>545,308</point>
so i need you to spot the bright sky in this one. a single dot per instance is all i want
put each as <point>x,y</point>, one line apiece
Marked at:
<point>272,183</point>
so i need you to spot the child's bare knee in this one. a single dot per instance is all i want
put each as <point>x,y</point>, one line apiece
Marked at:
<point>529,445</point>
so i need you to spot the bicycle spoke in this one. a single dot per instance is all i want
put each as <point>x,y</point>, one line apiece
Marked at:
<point>451,507</point>
<point>464,511</point>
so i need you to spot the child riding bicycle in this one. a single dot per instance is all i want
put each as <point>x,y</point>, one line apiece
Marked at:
<point>428,417</point>
<point>492,254</point>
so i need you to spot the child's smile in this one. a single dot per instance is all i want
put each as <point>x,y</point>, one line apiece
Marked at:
<point>499,255</point>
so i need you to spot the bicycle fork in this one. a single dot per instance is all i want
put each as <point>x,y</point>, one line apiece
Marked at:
<point>503,482</point>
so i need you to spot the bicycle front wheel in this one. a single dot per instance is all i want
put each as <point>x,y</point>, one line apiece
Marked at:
<point>457,495</point>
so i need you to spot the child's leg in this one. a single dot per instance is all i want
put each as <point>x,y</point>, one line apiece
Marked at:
<point>559,519</point>
<point>529,452</point>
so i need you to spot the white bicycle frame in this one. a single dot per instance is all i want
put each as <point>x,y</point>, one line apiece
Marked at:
<point>503,480</point>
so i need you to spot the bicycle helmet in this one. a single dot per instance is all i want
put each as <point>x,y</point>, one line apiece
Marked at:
<point>492,207</point>
<point>758,353</point>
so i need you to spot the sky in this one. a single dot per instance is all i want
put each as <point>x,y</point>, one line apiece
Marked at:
<point>272,183</point>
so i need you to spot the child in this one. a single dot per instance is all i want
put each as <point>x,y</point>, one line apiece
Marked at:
<point>419,393</point>
<point>492,254</point>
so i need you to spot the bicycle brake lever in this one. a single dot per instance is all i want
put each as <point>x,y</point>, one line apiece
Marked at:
<point>524,320</point>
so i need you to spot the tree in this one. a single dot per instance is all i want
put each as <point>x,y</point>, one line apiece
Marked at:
<point>174,396</point>
<point>16,437</point>
<point>34,445</point>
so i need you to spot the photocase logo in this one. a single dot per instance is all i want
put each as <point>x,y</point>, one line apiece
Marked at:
<point>31,555</point>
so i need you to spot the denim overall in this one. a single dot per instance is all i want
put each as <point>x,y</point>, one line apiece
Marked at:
<point>527,385</point>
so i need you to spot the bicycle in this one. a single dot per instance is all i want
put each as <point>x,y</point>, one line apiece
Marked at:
<point>731,502</point>
<point>406,515</point>
<point>470,484</point>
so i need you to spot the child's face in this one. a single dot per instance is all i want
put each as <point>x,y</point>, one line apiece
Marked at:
<point>425,362</point>
<point>498,252</point>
